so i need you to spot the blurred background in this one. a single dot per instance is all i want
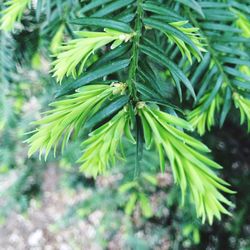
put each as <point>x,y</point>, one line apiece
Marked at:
<point>50,205</point>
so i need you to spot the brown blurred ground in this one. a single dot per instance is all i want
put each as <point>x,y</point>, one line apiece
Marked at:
<point>34,230</point>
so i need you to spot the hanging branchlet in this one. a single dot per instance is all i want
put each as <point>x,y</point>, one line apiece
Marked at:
<point>69,115</point>
<point>191,168</point>
<point>72,57</point>
<point>101,148</point>
<point>12,13</point>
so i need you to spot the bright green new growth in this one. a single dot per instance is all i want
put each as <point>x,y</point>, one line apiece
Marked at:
<point>12,13</point>
<point>191,168</point>
<point>69,115</point>
<point>202,120</point>
<point>101,147</point>
<point>243,23</point>
<point>77,51</point>
<point>243,105</point>
<point>194,36</point>
<point>57,39</point>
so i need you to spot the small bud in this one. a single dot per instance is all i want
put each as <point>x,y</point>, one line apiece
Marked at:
<point>140,105</point>
<point>126,37</point>
<point>122,37</point>
<point>119,88</point>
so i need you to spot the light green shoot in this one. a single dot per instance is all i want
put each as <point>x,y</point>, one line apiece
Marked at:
<point>242,22</point>
<point>12,13</point>
<point>191,168</point>
<point>201,119</point>
<point>69,115</point>
<point>243,104</point>
<point>72,57</point>
<point>57,39</point>
<point>101,148</point>
<point>192,33</point>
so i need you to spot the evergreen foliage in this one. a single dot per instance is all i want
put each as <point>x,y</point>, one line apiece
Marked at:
<point>133,68</point>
